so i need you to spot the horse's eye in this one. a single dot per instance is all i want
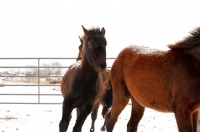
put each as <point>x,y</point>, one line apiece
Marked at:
<point>90,45</point>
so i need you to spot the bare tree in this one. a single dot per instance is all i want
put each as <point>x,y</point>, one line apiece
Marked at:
<point>32,70</point>
<point>57,69</point>
<point>54,68</point>
<point>46,70</point>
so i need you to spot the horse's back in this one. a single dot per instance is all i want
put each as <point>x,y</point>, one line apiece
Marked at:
<point>130,57</point>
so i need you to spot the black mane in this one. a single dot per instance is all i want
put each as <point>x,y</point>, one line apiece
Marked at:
<point>188,42</point>
<point>93,31</point>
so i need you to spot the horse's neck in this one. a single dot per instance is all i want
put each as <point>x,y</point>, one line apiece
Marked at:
<point>87,69</point>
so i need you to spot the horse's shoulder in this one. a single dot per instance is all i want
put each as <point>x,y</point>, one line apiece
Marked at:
<point>72,70</point>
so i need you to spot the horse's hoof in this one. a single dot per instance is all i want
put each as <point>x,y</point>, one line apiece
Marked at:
<point>103,129</point>
<point>91,130</point>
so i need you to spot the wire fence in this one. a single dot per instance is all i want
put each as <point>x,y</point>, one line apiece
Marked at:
<point>26,81</point>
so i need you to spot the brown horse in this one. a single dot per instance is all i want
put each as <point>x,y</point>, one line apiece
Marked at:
<point>105,76</point>
<point>82,80</point>
<point>80,49</point>
<point>166,81</point>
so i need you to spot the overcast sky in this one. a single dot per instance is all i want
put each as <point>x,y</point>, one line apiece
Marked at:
<point>50,28</point>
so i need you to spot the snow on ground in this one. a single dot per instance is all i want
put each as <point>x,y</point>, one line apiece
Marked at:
<point>46,118</point>
<point>40,118</point>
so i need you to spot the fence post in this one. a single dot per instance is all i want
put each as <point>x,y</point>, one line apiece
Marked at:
<point>38,81</point>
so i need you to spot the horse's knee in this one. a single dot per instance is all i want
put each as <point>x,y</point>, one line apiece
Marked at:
<point>63,125</point>
<point>104,111</point>
<point>81,119</point>
<point>66,117</point>
<point>94,115</point>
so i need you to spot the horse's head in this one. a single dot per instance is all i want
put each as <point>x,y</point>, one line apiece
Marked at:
<point>80,49</point>
<point>94,48</point>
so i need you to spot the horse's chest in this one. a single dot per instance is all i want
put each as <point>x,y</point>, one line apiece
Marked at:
<point>85,98</point>
<point>84,92</point>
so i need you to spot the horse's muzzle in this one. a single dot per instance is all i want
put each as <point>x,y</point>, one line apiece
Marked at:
<point>101,65</point>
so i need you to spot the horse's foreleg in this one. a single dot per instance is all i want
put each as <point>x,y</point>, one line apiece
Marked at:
<point>94,115</point>
<point>66,116</point>
<point>119,103</point>
<point>81,118</point>
<point>184,119</point>
<point>136,115</point>
<point>195,119</point>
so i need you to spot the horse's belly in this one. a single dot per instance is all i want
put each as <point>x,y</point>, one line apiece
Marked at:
<point>154,100</point>
<point>158,106</point>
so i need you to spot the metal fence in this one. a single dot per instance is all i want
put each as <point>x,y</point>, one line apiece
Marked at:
<point>4,96</point>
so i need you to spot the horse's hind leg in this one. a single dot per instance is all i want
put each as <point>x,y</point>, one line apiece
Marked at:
<point>121,98</point>
<point>136,115</point>
<point>104,113</point>
<point>94,115</point>
<point>183,118</point>
<point>66,116</point>
<point>103,128</point>
<point>81,118</point>
<point>195,119</point>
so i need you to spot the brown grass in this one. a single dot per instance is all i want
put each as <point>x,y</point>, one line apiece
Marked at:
<point>32,80</point>
<point>8,118</point>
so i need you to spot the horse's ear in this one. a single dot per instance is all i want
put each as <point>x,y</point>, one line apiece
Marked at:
<point>81,40</point>
<point>85,30</point>
<point>103,31</point>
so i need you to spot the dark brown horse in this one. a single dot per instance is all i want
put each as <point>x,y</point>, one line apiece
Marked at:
<point>166,81</point>
<point>105,76</point>
<point>82,80</point>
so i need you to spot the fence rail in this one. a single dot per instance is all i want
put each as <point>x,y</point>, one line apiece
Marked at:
<point>38,85</point>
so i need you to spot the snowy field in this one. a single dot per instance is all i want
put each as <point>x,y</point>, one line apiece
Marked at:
<point>45,118</point>
<point>40,118</point>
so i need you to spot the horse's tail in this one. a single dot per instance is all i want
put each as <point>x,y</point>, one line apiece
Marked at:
<point>107,100</point>
<point>105,97</point>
